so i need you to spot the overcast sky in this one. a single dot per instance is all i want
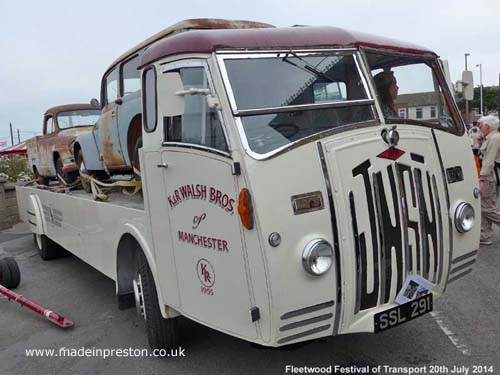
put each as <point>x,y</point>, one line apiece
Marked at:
<point>55,52</point>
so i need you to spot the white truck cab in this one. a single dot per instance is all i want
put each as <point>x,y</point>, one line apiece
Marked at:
<point>289,193</point>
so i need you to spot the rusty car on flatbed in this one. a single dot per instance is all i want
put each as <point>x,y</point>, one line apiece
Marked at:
<point>49,155</point>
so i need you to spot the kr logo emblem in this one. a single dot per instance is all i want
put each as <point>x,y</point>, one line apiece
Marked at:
<point>206,273</point>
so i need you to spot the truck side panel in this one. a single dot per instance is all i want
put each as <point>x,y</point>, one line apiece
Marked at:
<point>89,229</point>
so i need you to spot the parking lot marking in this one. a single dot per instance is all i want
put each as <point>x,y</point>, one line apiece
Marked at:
<point>445,326</point>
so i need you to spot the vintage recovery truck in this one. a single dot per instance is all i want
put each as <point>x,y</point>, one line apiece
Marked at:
<point>283,201</point>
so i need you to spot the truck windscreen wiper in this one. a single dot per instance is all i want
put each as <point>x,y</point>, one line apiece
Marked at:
<point>306,67</point>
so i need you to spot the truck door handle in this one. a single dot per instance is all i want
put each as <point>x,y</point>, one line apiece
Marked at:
<point>162,165</point>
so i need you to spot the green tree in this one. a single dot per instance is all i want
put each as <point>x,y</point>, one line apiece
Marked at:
<point>490,98</point>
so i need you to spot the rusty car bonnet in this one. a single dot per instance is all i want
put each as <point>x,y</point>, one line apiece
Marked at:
<point>305,37</point>
<point>191,24</point>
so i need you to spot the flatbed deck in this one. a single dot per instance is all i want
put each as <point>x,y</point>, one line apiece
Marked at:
<point>80,224</point>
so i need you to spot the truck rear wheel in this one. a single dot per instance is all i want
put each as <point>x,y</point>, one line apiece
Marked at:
<point>162,333</point>
<point>47,249</point>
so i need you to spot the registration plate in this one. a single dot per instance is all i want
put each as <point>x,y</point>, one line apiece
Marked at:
<point>403,313</point>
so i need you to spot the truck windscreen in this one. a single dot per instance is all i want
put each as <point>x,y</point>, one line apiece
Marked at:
<point>410,91</point>
<point>70,119</point>
<point>285,97</point>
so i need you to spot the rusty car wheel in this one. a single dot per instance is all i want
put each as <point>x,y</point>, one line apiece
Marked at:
<point>65,178</point>
<point>82,170</point>
<point>40,180</point>
<point>136,164</point>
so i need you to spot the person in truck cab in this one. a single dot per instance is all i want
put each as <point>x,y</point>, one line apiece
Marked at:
<point>387,88</point>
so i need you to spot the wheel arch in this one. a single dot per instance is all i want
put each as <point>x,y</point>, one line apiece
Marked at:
<point>129,245</point>
<point>55,156</point>
<point>76,148</point>
<point>133,133</point>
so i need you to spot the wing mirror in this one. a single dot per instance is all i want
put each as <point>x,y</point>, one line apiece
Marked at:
<point>168,84</point>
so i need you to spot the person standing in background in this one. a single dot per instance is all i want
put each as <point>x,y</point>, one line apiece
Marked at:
<point>488,177</point>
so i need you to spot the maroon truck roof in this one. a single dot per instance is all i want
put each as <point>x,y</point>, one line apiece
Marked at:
<point>207,41</point>
<point>68,107</point>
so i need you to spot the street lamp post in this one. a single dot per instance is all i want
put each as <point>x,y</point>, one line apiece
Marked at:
<point>466,101</point>
<point>481,87</point>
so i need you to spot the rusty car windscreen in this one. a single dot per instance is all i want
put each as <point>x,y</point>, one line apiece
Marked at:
<point>70,119</point>
<point>284,97</point>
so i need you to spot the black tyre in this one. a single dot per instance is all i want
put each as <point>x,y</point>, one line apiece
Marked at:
<point>136,164</point>
<point>162,333</point>
<point>83,170</point>
<point>5,276</point>
<point>47,249</point>
<point>15,273</point>
<point>64,177</point>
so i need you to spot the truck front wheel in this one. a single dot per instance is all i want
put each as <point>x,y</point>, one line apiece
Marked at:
<point>162,333</point>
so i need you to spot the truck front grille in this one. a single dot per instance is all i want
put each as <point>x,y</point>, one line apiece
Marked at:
<point>402,243</point>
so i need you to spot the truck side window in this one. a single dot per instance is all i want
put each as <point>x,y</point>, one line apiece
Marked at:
<point>149,99</point>
<point>131,77</point>
<point>111,86</point>
<point>49,125</point>
<point>199,124</point>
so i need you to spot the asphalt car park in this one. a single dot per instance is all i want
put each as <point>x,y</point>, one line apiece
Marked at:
<point>461,334</point>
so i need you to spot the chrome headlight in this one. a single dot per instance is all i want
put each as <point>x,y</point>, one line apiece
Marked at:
<point>317,257</point>
<point>464,217</point>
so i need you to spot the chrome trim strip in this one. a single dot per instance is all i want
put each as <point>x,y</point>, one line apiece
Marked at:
<point>303,334</point>
<point>306,310</point>
<point>448,206</point>
<point>31,213</point>
<point>259,53</point>
<point>333,219</point>
<point>440,229</point>
<point>463,257</point>
<point>32,223</point>
<point>459,276</point>
<point>421,203</point>
<point>403,202</point>
<point>306,322</point>
<point>303,141</point>
<point>302,107</point>
<point>196,147</point>
<point>357,251</point>
<point>463,266</point>
<point>382,264</point>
